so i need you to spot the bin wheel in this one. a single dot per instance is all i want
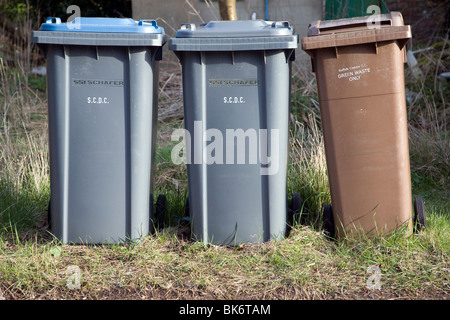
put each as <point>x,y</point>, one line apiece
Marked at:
<point>328,221</point>
<point>160,211</point>
<point>186,208</point>
<point>296,206</point>
<point>420,220</point>
<point>49,214</point>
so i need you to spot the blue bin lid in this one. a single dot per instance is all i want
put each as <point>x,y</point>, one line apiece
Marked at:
<point>100,32</point>
<point>102,25</point>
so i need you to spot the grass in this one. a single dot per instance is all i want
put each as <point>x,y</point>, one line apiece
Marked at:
<point>303,266</point>
<point>168,265</point>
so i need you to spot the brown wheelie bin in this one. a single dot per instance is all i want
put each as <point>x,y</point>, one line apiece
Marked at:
<point>360,80</point>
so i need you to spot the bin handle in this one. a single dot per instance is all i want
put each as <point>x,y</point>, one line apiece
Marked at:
<point>320,27</point>
<point>280,24</point>
<point>144,21</point>
<point>186,26</point>
<point>53,20</point>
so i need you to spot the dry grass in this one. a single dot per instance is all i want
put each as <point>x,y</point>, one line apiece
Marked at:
<point>308,169</point>
<point>429,122</point>
<point>303,266</point>
<point>170,95</point>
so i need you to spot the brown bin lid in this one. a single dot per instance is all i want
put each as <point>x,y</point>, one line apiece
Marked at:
<point>359,30</point>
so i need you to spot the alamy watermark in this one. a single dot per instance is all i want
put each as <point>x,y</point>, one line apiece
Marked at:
<point>234,146</point>
<point>73,22</point>
<point>374,280</point>
<point>74,280</point>
<point>374,20</point>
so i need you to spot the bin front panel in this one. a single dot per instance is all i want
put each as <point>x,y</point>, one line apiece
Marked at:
<point>360,70</point>
<point>368,163</point>
<point>97,132</point>
<point>233,106</point>
<point>102,120</point>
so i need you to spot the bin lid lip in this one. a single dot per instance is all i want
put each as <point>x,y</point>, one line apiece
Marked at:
<point>321,27</point>
<point>102,25</point>
<point>358,30</point>
<point>235,29</point>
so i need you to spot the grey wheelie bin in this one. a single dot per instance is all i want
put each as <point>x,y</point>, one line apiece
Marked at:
<point>102,80</point>
<point>236,86</point>
<point>358,64</point>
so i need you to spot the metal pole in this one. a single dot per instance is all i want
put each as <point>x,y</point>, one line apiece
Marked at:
<point>266,5</point>
<point>227,9</point>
